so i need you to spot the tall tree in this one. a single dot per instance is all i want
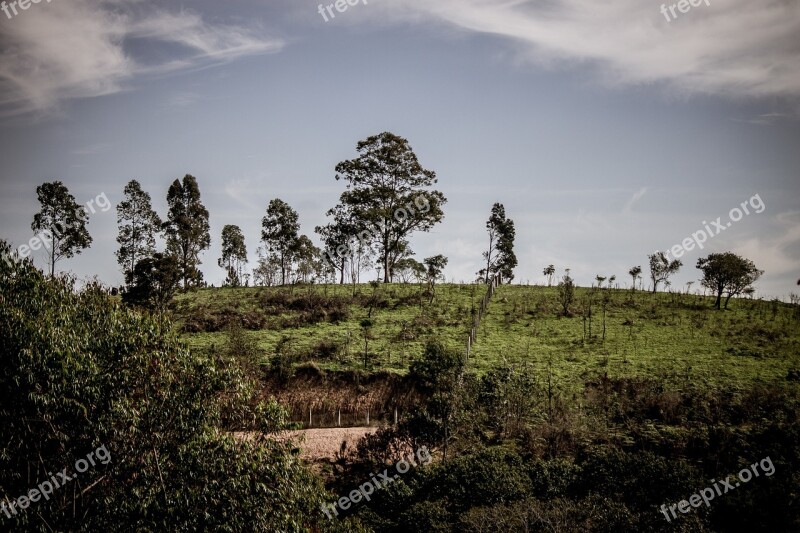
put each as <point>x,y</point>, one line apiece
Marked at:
<point>549,271</point>
<point>635,273</point>
<point>187,228</point>
<point>499,257</point>
<point>661,268</point>
<point>138,227</point>
<point>385,192</point>
<point>234,254</point>
<point>307,259</point>
<point>279,229</point>
<point>727,273</point>
<point>61,223</point>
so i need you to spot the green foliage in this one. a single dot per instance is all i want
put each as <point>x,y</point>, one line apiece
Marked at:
<point>500,257</point>
<point>566,293</point>
<point>61,221</point>
<point>81,371</point>
<point>386,191</point>
<point>234,254</point>
<point>187,228</point>
<point>661,268</point>
<point>152,283</point>
<point>279,233</point>
<point>138,227</point>
<point>727,273</point>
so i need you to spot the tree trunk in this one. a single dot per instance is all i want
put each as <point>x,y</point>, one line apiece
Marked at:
<point>727,299</point>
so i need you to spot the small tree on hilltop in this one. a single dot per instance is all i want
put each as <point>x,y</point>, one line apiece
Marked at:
<point>435,266</point>
<point>549,271</point>
<point>661,268</point>
<point>635,273</point>
<point>566,293</point>
<point>499,257</point>
<point>234,255</point>
<point>727,273</point>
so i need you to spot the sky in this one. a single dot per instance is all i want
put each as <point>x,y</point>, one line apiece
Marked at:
<point>608,130</point>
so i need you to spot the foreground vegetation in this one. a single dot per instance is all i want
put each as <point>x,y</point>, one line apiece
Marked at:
<point>542,428</point>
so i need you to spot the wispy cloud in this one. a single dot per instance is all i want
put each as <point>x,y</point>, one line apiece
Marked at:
<point>736,48</point>
<point>634,199</point>
<point>85,48</point>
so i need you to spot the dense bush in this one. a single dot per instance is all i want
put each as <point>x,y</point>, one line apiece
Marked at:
<point>80,372</point>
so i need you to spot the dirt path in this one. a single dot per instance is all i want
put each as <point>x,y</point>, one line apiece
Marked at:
<point>323,443</point>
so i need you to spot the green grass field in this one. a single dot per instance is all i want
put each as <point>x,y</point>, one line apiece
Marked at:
<point>674,337</point>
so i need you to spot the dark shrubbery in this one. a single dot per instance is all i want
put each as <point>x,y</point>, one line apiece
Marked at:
<point>80,371</point>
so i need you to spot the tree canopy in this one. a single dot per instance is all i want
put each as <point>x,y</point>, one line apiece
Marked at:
<point>61,221</point>
<point>727,273</point>
<point>187,228</point>
<point>387,197</point>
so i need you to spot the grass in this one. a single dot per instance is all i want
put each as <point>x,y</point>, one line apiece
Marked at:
<point>670,336</point>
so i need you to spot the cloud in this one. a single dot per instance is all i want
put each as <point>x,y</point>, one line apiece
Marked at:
<point>85,48</point>
<point>735,48</point>
<point>634,199</point>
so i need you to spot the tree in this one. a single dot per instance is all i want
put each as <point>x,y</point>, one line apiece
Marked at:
<point>549,271</point>
<point>727,273</point>
<point>499,257</point>
<point>661,268</point>
<point>152,283</point>
<point>385,194</point>
<point>307,258</point>
<point>279,233</point>
<point>408,269</point>
<point>82,373</point>
<point>234,254</point>
<point>337,237</point>
<point>61,223</point>
<point>434,268</point>
<point>566,292</point>
<point>635,273</point>
<point>439,373</point>
<point>187,228</point>
<point>268,270</point>
<point>138,227</point>
<point>366,325</point>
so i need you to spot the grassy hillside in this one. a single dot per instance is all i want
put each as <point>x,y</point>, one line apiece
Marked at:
<point>675,337</point>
